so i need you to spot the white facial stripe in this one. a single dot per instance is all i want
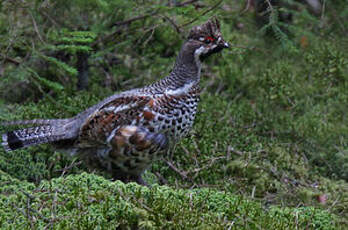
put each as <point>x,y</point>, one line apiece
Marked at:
<point>199,51</point>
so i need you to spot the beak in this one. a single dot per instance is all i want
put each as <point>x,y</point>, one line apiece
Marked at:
<point>222,44</point>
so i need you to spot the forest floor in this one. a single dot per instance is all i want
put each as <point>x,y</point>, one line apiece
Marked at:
<point>269,148</point>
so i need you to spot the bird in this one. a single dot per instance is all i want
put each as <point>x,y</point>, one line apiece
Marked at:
<point>126,132</point>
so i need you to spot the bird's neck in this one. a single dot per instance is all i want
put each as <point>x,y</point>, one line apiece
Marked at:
<point>185,74</point>
<point>187,69</point>
<point>187,66</point>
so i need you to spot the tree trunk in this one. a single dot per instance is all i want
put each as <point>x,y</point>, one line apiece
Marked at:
<point>82,67</point>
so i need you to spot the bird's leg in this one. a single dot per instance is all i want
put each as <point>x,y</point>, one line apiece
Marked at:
<point>135,147</point>
<point>138,179</point>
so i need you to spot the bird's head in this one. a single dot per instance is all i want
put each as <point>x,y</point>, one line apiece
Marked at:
<point>206,39</point>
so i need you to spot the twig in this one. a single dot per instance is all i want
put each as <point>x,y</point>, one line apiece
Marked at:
<point>185,149</point>
<point>182,174</point>
<point>203,13</point>
<point>269,5</point>
<point>212,161</point>
<point>161,179</point>
<point>30,218</point>
<point>108,79</point>
<point>253,192</point>
<point>35,27</point>
<point>322,13</point>
<point>186,3</point>
<point>230,149</point>
<point>119,30</point>
<point>153,29</point>
<point>196,146</point>
<point>334,203</point>
<point>8,59</point>
<point>246,7</point>
<point>49,18</point>
<point>106,37</point>
<point>67,168</point>
<point>47,220</point>
<point>176,27</point>
<point>128,21</point>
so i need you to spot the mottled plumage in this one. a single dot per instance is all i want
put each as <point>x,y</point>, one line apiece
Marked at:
<point>126,132</point>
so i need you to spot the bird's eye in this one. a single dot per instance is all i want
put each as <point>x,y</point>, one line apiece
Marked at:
<point>208,39</point>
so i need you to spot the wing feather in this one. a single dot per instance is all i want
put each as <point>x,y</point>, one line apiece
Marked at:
<point>118,112</point>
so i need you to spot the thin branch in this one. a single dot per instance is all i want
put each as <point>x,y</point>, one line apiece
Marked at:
<point>128,21</point>
<point>269,5</point>
<point>8,59</point>
<point>174,168</point>
<point>253,192</point>
<point>203,13</point>
<point>206,166</point>
<point>67,168</point>
<point>153,29</point>
<point>27,215</point>
<point>186,3</point>
<point>322,12</point>
<point>246,7</point>
<point>35,27</point>
<point>161,179</point>
<point>119,30</point>
<point>49,18</point>
<point>176,27</point>
<point>230,150</point>
<point>106,37</point>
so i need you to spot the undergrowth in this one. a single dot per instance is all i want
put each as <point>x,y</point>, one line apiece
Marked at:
<point>269,145</point>
<point>86,201</point>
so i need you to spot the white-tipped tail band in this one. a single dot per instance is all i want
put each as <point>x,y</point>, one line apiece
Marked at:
<point>5,143</point>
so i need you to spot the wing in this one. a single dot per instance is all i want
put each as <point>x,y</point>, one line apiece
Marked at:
<point>114,114</point>
<point>110,138</point>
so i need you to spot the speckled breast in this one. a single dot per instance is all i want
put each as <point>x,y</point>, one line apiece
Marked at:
<point>171,115</point>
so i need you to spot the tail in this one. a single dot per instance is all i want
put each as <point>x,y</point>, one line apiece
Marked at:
<point>47,131</point>
<point>31,122</point>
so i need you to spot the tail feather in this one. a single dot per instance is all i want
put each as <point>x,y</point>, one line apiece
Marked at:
<point>30,136</point>
<point>33,122</point>
<point>14,144</point>
<point>45,131</point>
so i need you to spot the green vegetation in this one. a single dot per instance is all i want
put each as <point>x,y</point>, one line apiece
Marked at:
<point>87,201</point>
<point>269,149</point>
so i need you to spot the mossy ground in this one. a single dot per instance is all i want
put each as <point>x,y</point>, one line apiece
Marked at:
<point>88,201</point>
<point>269,141</point>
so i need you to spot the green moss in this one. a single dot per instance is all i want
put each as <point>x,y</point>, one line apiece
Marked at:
<point>271,127</point>
<point>89,201</point>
